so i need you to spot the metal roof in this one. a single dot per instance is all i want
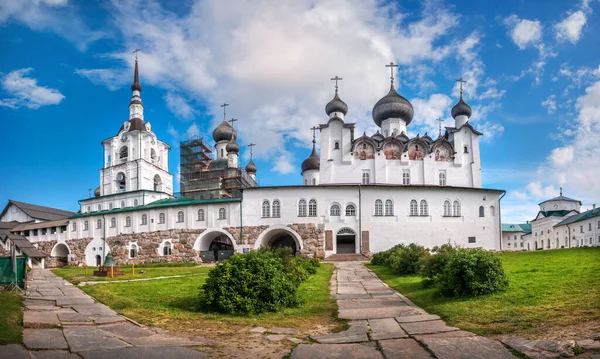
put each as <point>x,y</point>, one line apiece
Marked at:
<point>38,212</point>
<point>524,227</point>
<point>580,217</point>
<point>562,198</point>
<point>23,245</point>
<point>38,225</point>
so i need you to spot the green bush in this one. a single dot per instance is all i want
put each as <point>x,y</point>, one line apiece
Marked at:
<point>471,272</point>
<point>381,258</point>
<point>406,259</point>
<point>431,266</point>
<point>256,282</point>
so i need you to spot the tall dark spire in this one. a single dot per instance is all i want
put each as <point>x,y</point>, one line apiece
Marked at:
<point>136,78</point>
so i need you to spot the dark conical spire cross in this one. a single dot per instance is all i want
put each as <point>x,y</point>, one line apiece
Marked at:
<point>314,131</point>
<point>136,76</point>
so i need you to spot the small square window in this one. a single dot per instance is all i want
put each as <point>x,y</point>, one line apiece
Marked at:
<point>471,239</point>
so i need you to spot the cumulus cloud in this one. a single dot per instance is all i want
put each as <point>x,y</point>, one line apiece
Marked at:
<point>561,157</point>
<point>523,32</point>
<point>274,68</point>
<point>570,28</point>
<point>57,16</point>
<point>24,91</point>
<point>550,104</point>
<point>179,106</point>
<point>283,165</point>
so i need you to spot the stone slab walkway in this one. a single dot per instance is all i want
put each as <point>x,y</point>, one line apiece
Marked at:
<point>385,324</point>
<point>61,321</point>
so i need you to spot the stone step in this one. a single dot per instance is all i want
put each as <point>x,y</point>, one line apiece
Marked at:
<point>347,258</point>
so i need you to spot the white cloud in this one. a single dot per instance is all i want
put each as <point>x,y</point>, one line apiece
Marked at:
<point>524,32</point>
<point>283,165</point>
<point>192,131</point>
<point>550,104</point>
<point>274,68</point>
<point>492,93</point>
<point>54,15</point>
<point>24,91</point>
<point>570,28</point>
<point>429,110</point>
<point>179,106</point>
<point>561,157</point>
<point>490,130</point>
<point>111,78</point>
<point>539,191</point>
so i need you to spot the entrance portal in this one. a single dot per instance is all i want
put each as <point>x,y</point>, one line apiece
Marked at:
<point>282,240</point>
<point>98,260</point>
<point>346,241</point>
<point>214,246</point>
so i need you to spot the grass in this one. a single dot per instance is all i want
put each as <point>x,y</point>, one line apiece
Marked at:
<point>548,290</point>
<point>77,275</point>
<point>172,304</point>
<point>11,318</point>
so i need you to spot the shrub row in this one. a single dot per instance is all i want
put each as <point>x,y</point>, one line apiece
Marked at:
<point>256,282</point>
<point>454,271</point>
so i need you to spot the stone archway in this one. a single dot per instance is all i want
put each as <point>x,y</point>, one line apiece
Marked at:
<point>278,237</point>
<point>345,240</point>
<point>60,254</point>
<point>215,245</point>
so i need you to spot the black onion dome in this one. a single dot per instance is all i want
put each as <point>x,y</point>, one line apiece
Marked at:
<point>313,162</point>
<point>97,192</point>
<point>461,108</point>
<point>232,146</point>
<point>336,105</point>
<point>392,105</point>
<point>251,167</point>
<point>223,132</point>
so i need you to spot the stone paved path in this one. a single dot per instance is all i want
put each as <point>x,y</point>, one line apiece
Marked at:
<point>61,321</point>
<point>382,318</point>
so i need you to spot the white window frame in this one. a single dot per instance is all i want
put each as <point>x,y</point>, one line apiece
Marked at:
<point>378,207</point>
<point>276,209</point>
<point>406,177</point>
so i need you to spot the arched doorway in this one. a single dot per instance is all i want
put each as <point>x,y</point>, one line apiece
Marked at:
<point>98,260</point>
<point>279,238</point>
<point>61,254</point>
<point>215,245</point>
<point>345,241</point>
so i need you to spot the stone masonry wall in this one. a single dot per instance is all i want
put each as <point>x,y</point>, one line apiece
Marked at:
<point>77,247</point>
<point>313,236</point>
<point>182,241</point>
<point>46,248</point>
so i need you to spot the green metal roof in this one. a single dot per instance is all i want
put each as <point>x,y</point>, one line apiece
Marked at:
<point>508,227</point>
<point>561,213</point>
<point>580,217</point>
<point>122,193</point>
<point>168,202</point>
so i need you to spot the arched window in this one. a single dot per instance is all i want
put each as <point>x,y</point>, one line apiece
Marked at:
<point>121,182</point>
<point>305,182</point>
<point>493,213</point>
<point>378,207</point>
<point>167,250</point>
<point>222,213</point>
<point>389,207</point>
<point>456,209</point>
<point>442,178</point>
<point>314,181</point>
<point>89,209</point>
<point>98,223</point>
<point>424,211</point>
<point>127,221</point>
<point>113,222</point>
<point>99,208</point>
<point>123,153</point>
<point>74,226</point>
<point>153,155</point>
<point>200,214</point>
<point>222,153</point>
<point>447,210</point>
<point>414,210</point>
<point>366,178</point>
<point>122,204</point>
<point>276,209</point>
<point>302,208</point>
<point>157,183</point>
<point>133,250</point>
<point>334,210</point>
<point>336,145</point>
<point>161,218</point>
<point>266,209</point>
<point>85,226</point>
<point>144,219</point>
<point>481,211</point>
<point>135,202</point>
<point>180,216</point>
<point>350,210</point>
<point>312,208</point>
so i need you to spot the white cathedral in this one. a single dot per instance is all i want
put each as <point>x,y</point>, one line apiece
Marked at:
<point>359,195</point>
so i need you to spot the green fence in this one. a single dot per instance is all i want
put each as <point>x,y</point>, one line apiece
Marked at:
<point>6,272</point>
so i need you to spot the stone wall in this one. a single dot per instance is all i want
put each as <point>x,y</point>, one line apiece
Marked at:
<point>313,237</point>
<point>46,248</point>
<point>182,241</point>
<point>77,248</point>
<point>249,234</point>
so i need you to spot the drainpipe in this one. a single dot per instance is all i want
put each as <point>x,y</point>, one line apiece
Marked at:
<point>500,217</point>
<point>360,249</point>
<point>104,246</point>
<point>241,224</point>
<point>569,235</point>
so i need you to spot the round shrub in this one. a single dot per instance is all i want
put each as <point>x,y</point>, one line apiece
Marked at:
<point>250,283</point>
<point>405,259</point>
<point>431,266</point>
<point>471,272</point>
<point>380,258</point>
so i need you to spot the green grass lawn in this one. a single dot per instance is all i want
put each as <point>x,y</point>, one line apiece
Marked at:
<point>172,304</point>
<point>11,318</point>
<point>77,274</point>
<point>548,290</point>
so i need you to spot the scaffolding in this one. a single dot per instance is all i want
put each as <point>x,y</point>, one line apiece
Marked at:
<point>203,178</point>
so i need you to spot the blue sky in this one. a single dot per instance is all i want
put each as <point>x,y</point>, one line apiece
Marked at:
<point>533,77</point>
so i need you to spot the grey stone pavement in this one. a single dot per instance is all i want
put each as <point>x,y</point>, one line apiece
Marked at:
<point>61,321</point>
<point>385,324</point>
